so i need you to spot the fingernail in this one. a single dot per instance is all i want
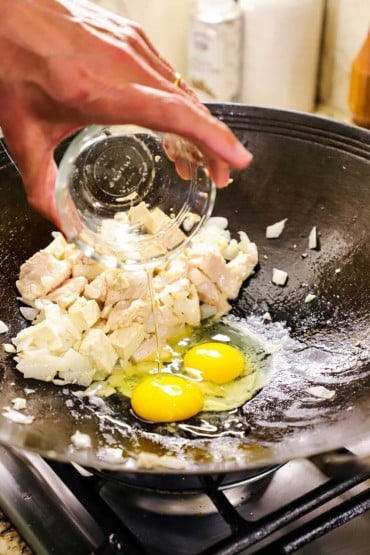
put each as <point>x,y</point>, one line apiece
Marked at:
<point>243,155</point>
<point>224,183</point>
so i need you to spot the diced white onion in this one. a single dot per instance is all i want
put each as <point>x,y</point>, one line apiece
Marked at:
<point>279,277</point>
<point>80,440</point>
<point>26,301</point>
<point>190,220</point>
<point>312,238</point>
<point>28,312</point>
<point>9,348</point>
<point>321,392</point>
<point>309,298</point>
<point>274,231</point>
<point>110,454</point>
<point>18,417</point>
<point>3,327</point>
<point>218,221</point>
<point>19,403</point>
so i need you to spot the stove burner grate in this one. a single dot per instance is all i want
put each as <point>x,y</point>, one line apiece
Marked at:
<point>59,511</point>
<point>244,534</point>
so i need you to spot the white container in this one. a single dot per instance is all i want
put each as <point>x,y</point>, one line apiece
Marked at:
<point>166,23</point>
<point>215,47</point>
<point>281,52</point>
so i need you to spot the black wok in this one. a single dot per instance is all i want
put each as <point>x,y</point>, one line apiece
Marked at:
<point>311,170</point>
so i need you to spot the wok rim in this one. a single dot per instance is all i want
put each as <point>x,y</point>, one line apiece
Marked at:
<point>353,140</point>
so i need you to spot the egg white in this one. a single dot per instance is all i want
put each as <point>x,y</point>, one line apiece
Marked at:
<point>216,397</point>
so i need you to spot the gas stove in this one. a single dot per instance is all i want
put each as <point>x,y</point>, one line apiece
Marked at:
<point>65,509</point>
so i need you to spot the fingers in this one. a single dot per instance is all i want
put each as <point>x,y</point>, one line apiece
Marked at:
<point>163,111</point>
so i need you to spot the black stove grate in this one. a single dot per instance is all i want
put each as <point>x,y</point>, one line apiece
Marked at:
<point>246,534</point>
<point>243,533</point>
<point>92,516</point>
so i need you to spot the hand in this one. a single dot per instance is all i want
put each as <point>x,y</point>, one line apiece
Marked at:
<point>66,64</point>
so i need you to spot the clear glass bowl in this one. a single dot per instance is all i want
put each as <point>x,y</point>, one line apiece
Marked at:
<point>130,197</point>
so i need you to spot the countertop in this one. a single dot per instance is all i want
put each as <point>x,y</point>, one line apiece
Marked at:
<point>10,541</point>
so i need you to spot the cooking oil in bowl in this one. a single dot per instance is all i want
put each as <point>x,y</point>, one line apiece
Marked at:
<point>122,199</point>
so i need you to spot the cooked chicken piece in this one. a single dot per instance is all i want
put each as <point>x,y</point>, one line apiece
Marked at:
<point>68,292</point>
<point>215,267</point>
<point>84,266</point>
<point>175,289</point>
<point>40,274</point>
<point>152,221</point>
<point>166,321</point>
<point>174,270</point>
<point>207,290</point>
<point>147,349</point>
<point>207,311</point>
<point>128,286</point>
<point>124,313</point>
<point>84,313</point>
<point>222,306</point>
<point>214,234</point>
<point>228,276</point>
<point>54,335</point>
<point>98,347</point>
<point>58,246</point>
<point>172,239</point>
<point>141,216</point>
<point>97,289</point>
<point>182,298</point>
<point>188,309</point>
<point>127,340</point>
<point>241,267</point>
<point>153,248</point>
<point>155,221</point>
<point>81,338</point>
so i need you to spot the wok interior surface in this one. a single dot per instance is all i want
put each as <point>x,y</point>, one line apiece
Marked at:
<point>313,171</point>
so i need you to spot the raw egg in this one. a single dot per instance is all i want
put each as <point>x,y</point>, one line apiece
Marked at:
<point>219,363</point>
<point>166,398</point>
<point>213,368</point>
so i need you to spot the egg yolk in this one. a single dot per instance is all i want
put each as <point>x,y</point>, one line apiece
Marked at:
<point>217,362</point>
<point>166,398</point>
